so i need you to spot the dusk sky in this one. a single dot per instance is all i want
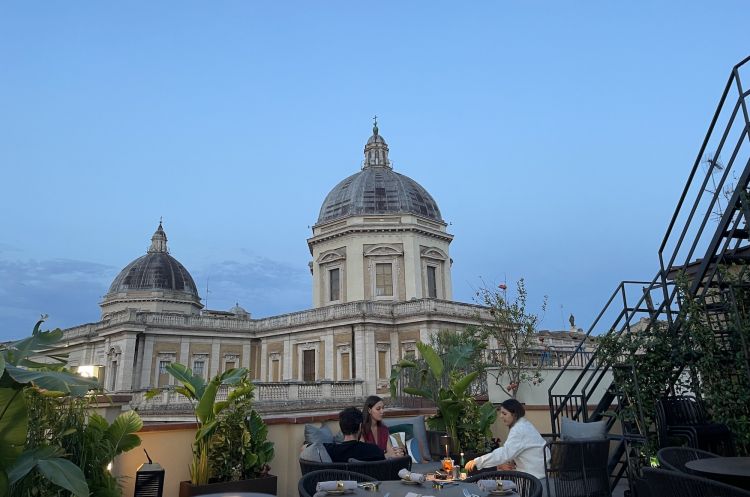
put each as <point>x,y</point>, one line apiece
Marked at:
<point>556,138</point>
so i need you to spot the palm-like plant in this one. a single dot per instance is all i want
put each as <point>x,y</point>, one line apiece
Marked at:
<point>206,407</point>
<point>443,382</point>
<point>19,372</point>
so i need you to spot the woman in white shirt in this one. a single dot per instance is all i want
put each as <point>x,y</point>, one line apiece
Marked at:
<point>524,446</point>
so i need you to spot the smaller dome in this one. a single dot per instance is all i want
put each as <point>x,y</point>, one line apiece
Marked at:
<point>238,311</point>
<point>157,270</point>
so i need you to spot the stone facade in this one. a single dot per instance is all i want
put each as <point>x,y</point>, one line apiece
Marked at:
<point>381,282</point>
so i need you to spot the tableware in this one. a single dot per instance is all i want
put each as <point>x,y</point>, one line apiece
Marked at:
<point>501,491</point>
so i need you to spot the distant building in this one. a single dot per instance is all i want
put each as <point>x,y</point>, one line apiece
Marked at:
<point>381,281</point>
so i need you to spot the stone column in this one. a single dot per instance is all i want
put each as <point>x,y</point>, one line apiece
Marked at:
<point>215,358</point>
<point>184,357</point>
<point>125,365</point>
<point>412,269</point>
<point>148,360</point>
<point>330,355</point>
<point>264,374</point>
<point>286,360</point>
<point>245,356</point>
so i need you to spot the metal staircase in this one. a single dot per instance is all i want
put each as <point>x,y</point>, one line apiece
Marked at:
<point>710,229</point>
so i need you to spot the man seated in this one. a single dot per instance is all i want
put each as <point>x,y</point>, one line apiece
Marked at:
<point>350,422</point>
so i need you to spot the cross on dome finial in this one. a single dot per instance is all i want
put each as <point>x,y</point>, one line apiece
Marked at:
<point>375,125</point>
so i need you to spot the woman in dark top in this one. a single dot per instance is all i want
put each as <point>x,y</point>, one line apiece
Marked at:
<point>374,430</point>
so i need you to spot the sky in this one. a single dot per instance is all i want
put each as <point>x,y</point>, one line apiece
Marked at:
<point>556,138</point>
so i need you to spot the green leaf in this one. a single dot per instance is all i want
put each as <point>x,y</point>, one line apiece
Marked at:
<point>121,432</point>
<point>65,474</point>
<point>461,385</point>
<point>57,381</point>
<point>13,424</point>
<point>4,484</point>
<point>194,384</point>
<point>432,359</point>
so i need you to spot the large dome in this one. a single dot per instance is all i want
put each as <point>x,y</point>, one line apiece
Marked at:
<point>378,189</point>
<point>157,270</point>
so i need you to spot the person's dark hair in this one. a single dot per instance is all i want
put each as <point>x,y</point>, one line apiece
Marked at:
<point>350,420</point>
<point>514,407</point>
<point>366,416</point>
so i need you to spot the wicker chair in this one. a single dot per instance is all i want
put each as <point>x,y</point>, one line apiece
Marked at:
<point>577,468</point>
<point>666,483</point>
<point>526,484</point>
<point>674,458</point>
<point>308,482</point>
<point>381,470</point>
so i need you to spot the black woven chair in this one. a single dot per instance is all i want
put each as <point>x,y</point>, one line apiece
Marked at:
<point>683,417</point>
<point>308,482</point>
<point>380,470</point>
<point>526,485</point>
<point>674,458</point>
<point>577,468</point>
<point>666,483</point>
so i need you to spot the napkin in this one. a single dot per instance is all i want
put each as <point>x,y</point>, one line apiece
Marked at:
<point>404,474</point>
<point>333,485</point>
<point>488,485</point>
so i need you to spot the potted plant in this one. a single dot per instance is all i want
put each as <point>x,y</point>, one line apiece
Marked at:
<point>213,418</point>
<point>445,383</point>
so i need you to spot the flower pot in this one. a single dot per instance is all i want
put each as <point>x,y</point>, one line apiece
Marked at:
<point>264,485</point>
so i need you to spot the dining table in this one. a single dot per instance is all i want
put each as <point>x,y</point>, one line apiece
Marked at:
<point>734,471</point>
<point>398,488</point>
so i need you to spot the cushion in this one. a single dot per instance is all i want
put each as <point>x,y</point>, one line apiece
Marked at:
<point>406,428</point>
<point>573,430</point>
<point>398,440</point>
<point>315,452</point>
<point>322,435</point>
<point>412,448</point>
<point>420,432</point>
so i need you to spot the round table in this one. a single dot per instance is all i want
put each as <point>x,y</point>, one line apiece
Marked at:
<point>732,470</point>
<point>398,489</point>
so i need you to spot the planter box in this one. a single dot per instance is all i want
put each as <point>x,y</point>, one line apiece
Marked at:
<point>266,485</point>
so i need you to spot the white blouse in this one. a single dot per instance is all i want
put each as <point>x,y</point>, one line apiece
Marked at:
<point>524,445</point>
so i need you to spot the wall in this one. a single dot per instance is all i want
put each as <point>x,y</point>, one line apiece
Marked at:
<point>169,444</point>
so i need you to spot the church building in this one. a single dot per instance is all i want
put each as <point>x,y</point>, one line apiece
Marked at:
<point>381,281</point>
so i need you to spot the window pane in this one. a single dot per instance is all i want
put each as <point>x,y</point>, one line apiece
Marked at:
<point>198,368</point>
<point>381,364</point>
<point>431,282</point>
<point>334,284</point>
<point>344,366</point>
<point>308,365</point>
<point>383,280</point>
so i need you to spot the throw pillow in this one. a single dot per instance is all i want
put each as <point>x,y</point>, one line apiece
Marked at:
<point>420,432</point>
<point>322,435</point>
<point>573,430</point>
<point>412,448</point>
<point>407,428</point>
<point>397,440</point>
<point>315,452</point>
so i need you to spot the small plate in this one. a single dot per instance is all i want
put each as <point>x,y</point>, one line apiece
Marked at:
<point>410,482</point>
<point>505,491</point>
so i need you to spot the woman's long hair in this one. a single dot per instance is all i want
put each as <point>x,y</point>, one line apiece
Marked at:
<point>367,417</point>
<point>515,408</point>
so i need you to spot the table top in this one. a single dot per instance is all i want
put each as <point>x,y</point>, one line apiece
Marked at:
<point>728,466</point>
<point>399,489</point>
